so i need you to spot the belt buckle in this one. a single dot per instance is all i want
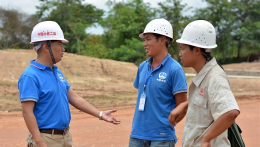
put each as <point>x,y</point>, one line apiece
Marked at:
<point>66,130</point>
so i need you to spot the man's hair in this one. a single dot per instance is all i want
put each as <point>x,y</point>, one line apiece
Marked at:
<point>207,55</point>
<point>168,41</point>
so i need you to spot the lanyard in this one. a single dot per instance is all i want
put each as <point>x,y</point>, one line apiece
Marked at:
<point>147,72</point>
<point>147,77</point>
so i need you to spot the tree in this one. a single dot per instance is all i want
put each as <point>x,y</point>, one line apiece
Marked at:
<point>247,26</point>
<point>73,16</point>
<point>237,25</point>
<point>131,51</point>
<point>15,28</point>
<point>94,47</point>
<point>125,21</point>
<point>219,13</point>
<point>172,10</point>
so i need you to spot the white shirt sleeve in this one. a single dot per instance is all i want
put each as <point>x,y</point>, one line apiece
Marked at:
<point>221,98</point>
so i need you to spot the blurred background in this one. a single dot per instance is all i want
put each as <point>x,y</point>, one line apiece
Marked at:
<point>109,29</point>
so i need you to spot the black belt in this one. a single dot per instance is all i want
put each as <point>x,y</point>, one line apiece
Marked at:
<point>54,131</point>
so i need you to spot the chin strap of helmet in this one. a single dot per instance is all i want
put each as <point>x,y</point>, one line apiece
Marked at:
<point>52,57</point>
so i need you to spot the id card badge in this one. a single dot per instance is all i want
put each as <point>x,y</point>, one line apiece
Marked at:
<point>142,102</point>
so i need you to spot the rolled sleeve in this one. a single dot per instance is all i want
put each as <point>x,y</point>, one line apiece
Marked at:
<point>221,98</point>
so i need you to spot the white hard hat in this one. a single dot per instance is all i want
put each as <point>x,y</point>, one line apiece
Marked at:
<point>158,26</point>
<point>199,33</point>
<point>47,30</point>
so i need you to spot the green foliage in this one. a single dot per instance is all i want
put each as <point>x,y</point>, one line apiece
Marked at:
<point>73,17</point>
<point>236,22</point>
<point>247,27</point>
<point>15,29</point>
<point>172,10</point>
<point>94,48</point>
<point>237,26</point>
<point>132,51</point>
<point>125,21</point>
<point>218,13</point>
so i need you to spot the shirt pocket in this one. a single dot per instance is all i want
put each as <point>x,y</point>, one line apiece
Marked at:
<point>200,101</point>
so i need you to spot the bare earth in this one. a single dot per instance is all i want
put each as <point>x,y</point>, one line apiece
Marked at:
<point>107,84</point>
<point>88,131</point>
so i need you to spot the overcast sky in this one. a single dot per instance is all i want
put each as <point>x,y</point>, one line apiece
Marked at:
<point>29,6</point>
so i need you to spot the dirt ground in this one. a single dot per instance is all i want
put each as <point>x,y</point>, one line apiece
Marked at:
<point>88,131</point>
<point>108,84</point>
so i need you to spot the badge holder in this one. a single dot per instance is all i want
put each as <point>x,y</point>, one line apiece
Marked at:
<point>142,102</point>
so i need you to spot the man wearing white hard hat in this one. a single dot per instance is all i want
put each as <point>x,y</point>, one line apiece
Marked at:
<point>162,87</point>
<point>212,107</point>
<point>45,94</point>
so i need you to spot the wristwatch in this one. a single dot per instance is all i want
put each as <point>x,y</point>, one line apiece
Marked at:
<point>100,115</point>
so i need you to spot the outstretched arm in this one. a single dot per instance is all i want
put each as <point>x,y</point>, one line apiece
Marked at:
<point>81,104</point>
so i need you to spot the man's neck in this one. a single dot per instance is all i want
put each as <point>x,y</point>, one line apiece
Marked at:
<point>157,60</point>
<point>44,61</point>
<point>199,64</point>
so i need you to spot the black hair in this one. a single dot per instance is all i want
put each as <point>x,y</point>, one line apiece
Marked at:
<point>168,41</point>
<point>207,55</point>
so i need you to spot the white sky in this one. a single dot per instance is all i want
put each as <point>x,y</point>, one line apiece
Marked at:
<point>29,6</point>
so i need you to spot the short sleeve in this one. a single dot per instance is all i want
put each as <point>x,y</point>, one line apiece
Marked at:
<point>179,83</point>
<point>136,82</point>
<point>221,98</point>
<point>67,84</point>
<point>28,89</point>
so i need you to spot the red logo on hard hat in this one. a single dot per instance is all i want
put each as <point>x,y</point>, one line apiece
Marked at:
<point>47,34</point>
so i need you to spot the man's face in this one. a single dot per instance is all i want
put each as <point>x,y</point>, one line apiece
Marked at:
<point>57,50</point>
<point>186,55</point>
<point>151,44</point>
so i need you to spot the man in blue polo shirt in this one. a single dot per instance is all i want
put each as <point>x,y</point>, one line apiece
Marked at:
<point>162,87</point>
<point>45,94</point>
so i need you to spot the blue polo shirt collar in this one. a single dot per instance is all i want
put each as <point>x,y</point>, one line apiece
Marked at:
<point>39,65</point>
<point>163,62</point>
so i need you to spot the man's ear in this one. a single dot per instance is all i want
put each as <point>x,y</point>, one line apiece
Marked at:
<point>162,40</point>
<point>45,48</point>
<point>197,50</point>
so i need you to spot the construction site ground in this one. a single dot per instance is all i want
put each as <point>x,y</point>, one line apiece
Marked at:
<point>107,84</point>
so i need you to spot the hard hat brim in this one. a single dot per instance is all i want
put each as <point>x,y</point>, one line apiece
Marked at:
<point>141,35</point>
<point>63,40</point>
<point>194,44</point>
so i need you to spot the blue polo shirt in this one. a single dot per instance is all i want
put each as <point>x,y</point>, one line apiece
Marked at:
<point>48,88</point>
<point>163,83</point>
